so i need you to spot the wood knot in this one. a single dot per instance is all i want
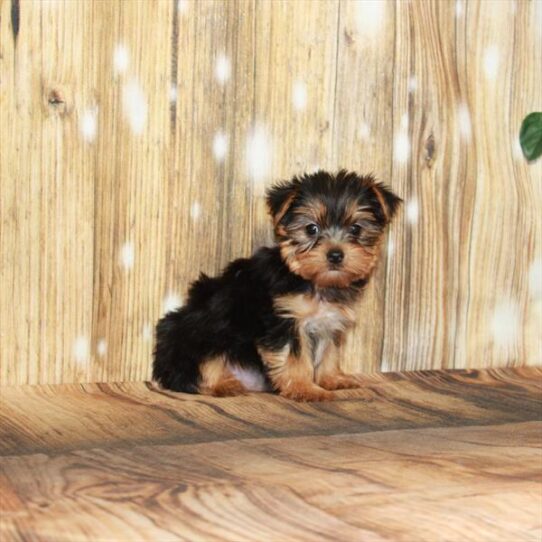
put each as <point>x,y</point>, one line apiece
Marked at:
<point>56,100</point>
<point>429,147</point>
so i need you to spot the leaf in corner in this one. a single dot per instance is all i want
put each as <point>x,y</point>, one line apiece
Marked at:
<point>530,136</point>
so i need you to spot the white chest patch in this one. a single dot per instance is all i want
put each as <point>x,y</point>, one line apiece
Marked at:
<point>320,320</point>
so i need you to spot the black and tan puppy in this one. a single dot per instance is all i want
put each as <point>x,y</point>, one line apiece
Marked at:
<point>275,321</point>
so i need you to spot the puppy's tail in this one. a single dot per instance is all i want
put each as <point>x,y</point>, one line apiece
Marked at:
<point>175,365</point>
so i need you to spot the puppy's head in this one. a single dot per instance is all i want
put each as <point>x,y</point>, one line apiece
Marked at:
<point>329,227</point>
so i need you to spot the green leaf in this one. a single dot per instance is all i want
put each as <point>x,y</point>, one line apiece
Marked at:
<point>530,136</point>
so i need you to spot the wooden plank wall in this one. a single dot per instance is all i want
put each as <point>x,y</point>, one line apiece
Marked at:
<point>138,137</point>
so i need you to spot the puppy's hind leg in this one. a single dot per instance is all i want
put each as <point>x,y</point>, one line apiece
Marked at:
<point>217,380</point>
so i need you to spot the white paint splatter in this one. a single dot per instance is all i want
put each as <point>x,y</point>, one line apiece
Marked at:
<point>146,332</point>
<point>121,59</point>
<point>195,211</point>
<point>89,124</point>
<point>135,106</point>
<point>258,153</point>
<point>391,247</point>
<point>222,68</point>
<point>101,348</point>
<point>412,84</point>
<point>412,211</point>
<point>299,95</point>
<point>401,147</point>
<point>369,16</point>
<point>463,119</point>
<point>459,8</point>
<point>173,94</point>
<point>220,146</point>
<point>535,278</point>
<point>81,350</point>
<point>504,323</point>
<point>171,302</point>
<point>364,131</point>
<point>182,6</point>
<point>127,255</point>
<point>491,62</point>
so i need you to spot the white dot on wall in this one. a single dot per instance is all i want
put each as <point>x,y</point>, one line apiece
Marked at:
<point>101,348</point>
<point>412,211</point>
<point>121,59</point>
<point>401,147</point>
<point>459,8</point>
<point>195,211</point>
<point>146,332</point>
<point>258,153</point>
<point>491,61</point>
<point>81,350</point>
<point>463,119</point>
<point>369,16</point>
<point>364,131</point>
<point>299,95</point>
<point>182,6</point>
<point>220,146</point>
<point>171,302</point>
<point>535,278</point>
<point>412,84</point>
<point>173,93</point>
<point>89,124</point>
<point>135,106</point>
<point>504,323</point>
<point>222,68</point>
<point>127,255</point>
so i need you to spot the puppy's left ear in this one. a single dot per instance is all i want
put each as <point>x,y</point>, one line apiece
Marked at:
<point>387,199</point>
<point>279,197</point>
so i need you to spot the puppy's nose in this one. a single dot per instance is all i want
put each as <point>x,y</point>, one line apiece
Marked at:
<point>335,255</point>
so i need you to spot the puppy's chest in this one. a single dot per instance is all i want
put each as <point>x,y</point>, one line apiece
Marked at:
<point>320,320</point>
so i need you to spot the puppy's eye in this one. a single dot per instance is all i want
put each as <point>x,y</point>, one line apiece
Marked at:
<point>354,229</point>
<point>312,229</point>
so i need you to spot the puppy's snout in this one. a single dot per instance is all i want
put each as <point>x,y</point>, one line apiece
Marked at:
<point>335,255</point>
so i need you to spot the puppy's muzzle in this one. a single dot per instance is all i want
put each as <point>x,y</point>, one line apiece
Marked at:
<point>335,256</point>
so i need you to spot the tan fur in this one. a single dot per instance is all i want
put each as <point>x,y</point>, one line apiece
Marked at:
<point>314,210</point>
<point>359,262</point>
<point>329,375</point>
<point>324,322</point>
<point>293,375</point>
<point>278,217</point>
<point>216,379</point>
<point>382,202</point>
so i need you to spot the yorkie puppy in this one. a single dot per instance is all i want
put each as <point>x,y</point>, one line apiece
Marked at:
<point>275,321</point>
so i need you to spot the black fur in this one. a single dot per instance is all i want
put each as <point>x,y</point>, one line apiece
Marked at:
<point>233,313</point>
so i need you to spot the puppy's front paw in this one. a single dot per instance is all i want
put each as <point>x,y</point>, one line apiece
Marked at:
<point>303,392</point>
<point>339,381</point>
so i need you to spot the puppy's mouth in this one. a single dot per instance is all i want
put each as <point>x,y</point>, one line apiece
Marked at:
<point>334,276</point>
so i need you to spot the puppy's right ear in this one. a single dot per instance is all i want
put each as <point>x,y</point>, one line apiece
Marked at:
<point>279,197</point>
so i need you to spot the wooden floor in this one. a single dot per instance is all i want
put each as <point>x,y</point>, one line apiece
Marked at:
<point>429,456</point>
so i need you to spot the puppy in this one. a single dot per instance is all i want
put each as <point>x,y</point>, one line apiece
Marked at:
<point>275,321</point>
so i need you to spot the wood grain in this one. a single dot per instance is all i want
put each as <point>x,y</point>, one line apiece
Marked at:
<point>99,234</point>
<point>415,456</point>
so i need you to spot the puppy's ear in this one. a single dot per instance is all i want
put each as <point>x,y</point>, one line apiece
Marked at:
<point>279,197</point>
<point>387,199</point>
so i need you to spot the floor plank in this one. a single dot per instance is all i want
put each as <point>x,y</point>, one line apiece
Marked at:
<point>408,457</point>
